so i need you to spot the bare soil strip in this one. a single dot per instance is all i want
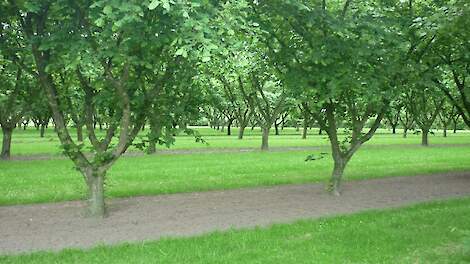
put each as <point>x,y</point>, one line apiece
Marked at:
<point>27,228</point>
<point>211,150</point>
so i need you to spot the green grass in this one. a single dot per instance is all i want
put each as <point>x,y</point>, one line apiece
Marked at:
<point>55,180</point>
<point>427,233</point>
<point>28,142</point>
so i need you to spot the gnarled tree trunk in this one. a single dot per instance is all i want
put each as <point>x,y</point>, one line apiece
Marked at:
<point>6,144</point>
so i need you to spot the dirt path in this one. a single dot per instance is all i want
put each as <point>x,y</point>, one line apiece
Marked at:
<point>60,225</point>
<point>212,150</point>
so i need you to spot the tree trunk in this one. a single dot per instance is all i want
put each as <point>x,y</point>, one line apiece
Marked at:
<point>241,131</point>
<point>155,130</point>
<point>264,142</point>
<point>95,182</point>
<point>337,175</point>
<point>152,149</point>
<point>405,132</point>
<point>80,133</point>
<point>6,144</point>
<point>43,130</point>
<point>304,132</point>
<point>276,128</point>
<point>394,129</point>
<point>445,131</point>
<point>229,127</point>
<point>455,127</point>
<point>320,131</point>
<point>424,137</point>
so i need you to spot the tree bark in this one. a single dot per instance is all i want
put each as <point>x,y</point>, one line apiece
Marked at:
<point>80,133</point>
<point>264,142</point>
<point>337,175</point>
<point>445,131</point>
<point>276,128</point>
<point>424,137</point>
<point>394,129</point>
<point>405,132</point>
<point>229,127</point>
<point>241,131</point>
<point>6,144</point>
<point>95,181</point>
<point>155,130</point>
<point>304,131</point>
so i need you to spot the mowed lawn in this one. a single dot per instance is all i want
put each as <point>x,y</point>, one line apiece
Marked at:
<point>437,232</point>
<point>38,181</point>
<point>28,142</point>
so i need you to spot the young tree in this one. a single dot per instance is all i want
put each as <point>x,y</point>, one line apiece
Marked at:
<point>109,48</point>
<point>14,87</point>
<point>393,115</point>
<point>446,115</point>
<point>339,60</point>
<point>269,101</point>
<point>406,120</point>
<point>16,84</point>
<point>426,105</point>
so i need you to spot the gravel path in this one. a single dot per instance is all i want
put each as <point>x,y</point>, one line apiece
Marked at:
<point>60,225</point>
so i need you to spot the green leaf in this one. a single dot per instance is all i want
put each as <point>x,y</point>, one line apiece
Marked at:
<point>154,4</point>
<point>182,52</point>
<point>107,10</point>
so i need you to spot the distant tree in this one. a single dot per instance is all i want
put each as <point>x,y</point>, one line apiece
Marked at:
<point>393,115</point>
<point>16,84</point>
<point>406,120</point>
<point>446,115</point>
<point>426,106</point>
